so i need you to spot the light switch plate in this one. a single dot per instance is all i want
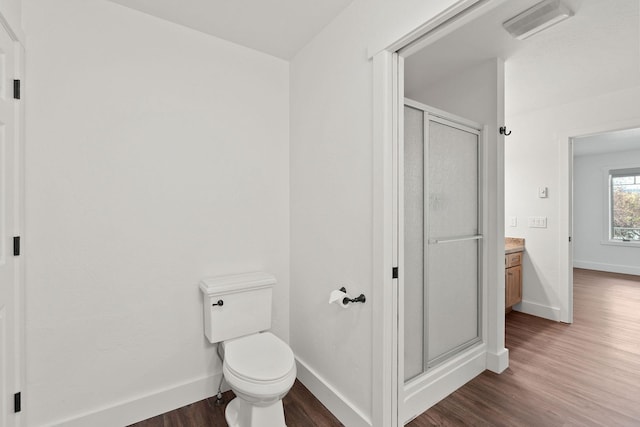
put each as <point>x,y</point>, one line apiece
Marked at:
<point>537,222</point>
<point>543,192</point>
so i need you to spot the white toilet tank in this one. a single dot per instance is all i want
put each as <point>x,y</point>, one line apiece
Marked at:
<point>236,305</point>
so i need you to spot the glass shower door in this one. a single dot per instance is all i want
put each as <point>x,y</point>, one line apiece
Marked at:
<point>441,239</point>
<point>453,241</point>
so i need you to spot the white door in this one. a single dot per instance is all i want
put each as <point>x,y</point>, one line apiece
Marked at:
<point>9,186</point>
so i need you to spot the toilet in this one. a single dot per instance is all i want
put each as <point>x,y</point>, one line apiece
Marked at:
<point>258,366</point>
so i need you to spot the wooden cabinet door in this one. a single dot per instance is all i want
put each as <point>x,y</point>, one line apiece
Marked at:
<point>513,285</point>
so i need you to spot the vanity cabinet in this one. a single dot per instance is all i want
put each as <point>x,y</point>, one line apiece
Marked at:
<point>513,279</point>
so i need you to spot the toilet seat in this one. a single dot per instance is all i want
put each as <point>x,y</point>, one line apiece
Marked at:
<point>259,368</point>
<point>259,358</point>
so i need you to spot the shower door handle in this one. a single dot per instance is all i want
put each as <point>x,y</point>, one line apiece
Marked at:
<point>454,239</point>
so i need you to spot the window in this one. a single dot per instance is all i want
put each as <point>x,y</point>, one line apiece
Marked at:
<point>624,190</point>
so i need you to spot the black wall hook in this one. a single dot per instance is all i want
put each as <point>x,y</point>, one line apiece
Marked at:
<point>503,131</point>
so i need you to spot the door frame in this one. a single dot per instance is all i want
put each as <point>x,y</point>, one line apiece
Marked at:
<point>387,99</point>
<point>18,346</point>
<point>565,144</point>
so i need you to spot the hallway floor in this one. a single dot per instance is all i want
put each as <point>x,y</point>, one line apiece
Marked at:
<point>583,374</point>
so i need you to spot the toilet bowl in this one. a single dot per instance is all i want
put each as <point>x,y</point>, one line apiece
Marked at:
<point>258,366</point>
<point>260,369</point>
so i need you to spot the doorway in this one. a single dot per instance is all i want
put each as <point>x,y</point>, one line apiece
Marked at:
<point>476,95</point>
<point>605,190</point>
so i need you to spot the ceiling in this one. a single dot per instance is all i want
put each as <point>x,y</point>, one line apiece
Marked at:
<point>622,140</point>
<point>276,27</point>
<point>594,52</point>
<point>481,39</point>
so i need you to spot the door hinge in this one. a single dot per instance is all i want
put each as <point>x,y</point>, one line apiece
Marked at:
<point>16,89</point>
<point>17,402</point>
<point>394,273</point>
<point>16,245</point>
<point>569,238</point>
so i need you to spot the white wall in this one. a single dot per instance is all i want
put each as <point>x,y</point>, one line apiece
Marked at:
<point>156,155</point>
<point>532,155</point>
<point>470,93</point>
<point>590,198</point>
<point>332,200</point>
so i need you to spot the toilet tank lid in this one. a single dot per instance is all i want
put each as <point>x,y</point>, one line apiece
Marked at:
<point>236,282</point>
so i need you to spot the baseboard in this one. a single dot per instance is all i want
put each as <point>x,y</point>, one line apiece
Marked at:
<point>498,362</point>
<point>147,406</point>
<point>535,309</point>
<point>611,268</point>
<point>335,402</point>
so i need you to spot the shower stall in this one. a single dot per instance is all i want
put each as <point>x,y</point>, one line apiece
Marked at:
<point>441,249</point>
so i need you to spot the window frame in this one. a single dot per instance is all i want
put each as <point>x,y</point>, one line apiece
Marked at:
<point>609,174</point>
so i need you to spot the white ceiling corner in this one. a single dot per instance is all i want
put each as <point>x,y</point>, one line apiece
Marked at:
<point>275,27</point>
<point>596,51</point>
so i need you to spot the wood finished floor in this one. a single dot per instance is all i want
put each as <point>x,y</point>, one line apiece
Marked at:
<point>583,374</point>
<point>301,408</point>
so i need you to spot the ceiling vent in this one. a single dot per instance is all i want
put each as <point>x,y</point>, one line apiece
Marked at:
<point>537,18</point>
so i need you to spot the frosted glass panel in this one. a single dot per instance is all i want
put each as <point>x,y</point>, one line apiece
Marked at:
<point>413,242</point>
<point>452,282</point>
<point>452,296</point>
<point>441,257</point>
<point>453,181</point>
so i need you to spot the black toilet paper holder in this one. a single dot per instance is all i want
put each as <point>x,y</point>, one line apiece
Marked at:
<point>346,300</point>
